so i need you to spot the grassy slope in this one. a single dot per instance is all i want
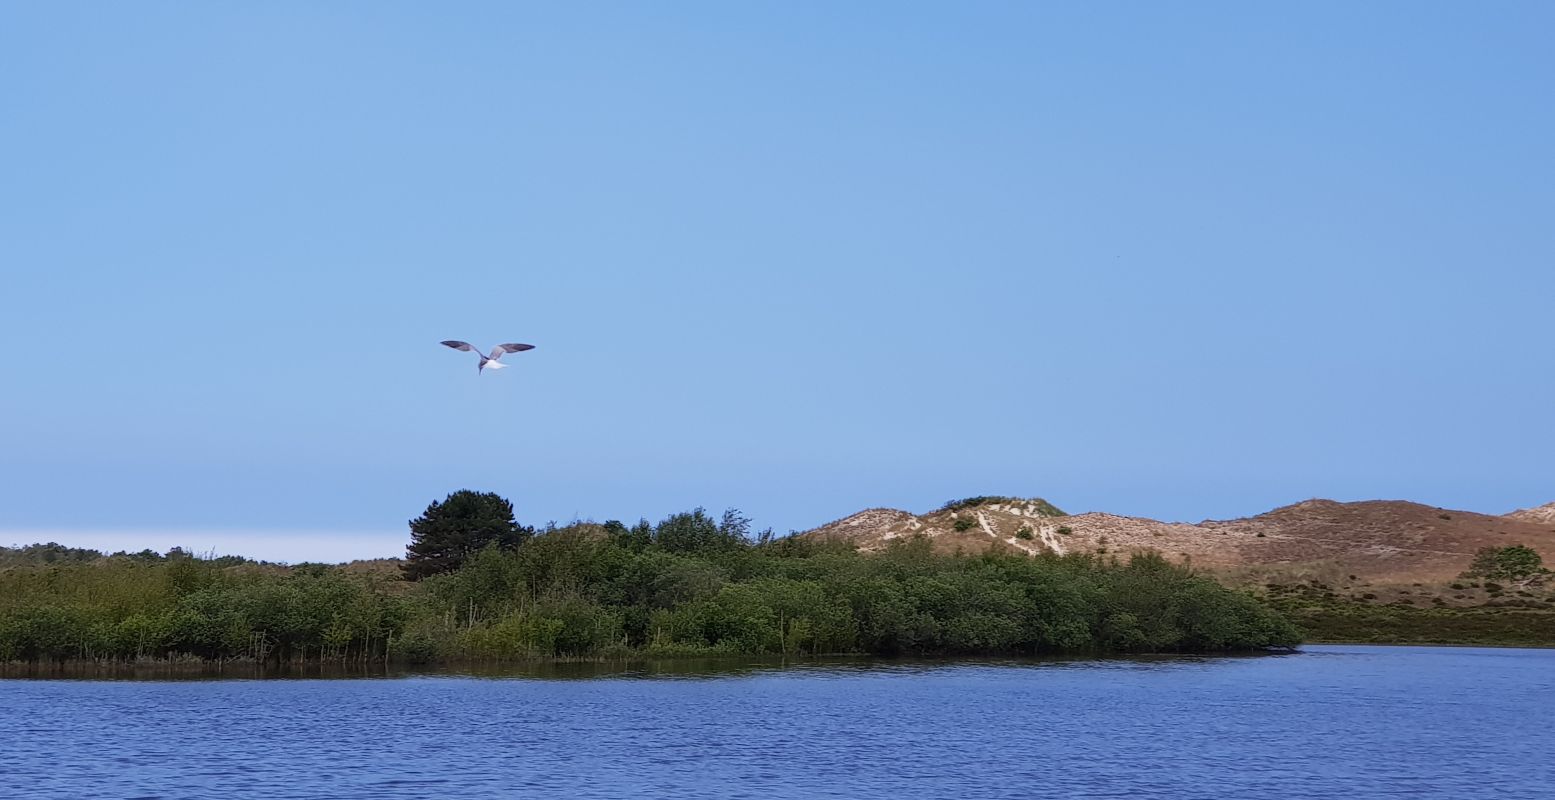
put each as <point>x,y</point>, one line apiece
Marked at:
<point>1461,613</point>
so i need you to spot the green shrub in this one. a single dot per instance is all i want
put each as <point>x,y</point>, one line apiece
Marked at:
<point>419,647</point>
<point>592,591</point>
<point>1515,562</point>
<point>1044,508</point>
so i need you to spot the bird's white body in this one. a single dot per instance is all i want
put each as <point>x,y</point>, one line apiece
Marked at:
<point>490,364</point>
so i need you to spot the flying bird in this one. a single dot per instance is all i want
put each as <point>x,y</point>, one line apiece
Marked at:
<point>496,352</point>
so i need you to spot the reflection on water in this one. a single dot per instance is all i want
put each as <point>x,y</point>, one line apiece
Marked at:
<point>669,668</point>
<point>1365,722</point>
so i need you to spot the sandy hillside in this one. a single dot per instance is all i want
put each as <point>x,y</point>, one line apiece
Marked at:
<point>1376,540</point>
<point>1543,515</point>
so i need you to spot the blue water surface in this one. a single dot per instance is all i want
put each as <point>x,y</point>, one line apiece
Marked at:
<point>1334,721</point>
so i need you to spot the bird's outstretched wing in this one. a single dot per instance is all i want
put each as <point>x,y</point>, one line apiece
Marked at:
<point>510,347</point>
<point>458,345</point>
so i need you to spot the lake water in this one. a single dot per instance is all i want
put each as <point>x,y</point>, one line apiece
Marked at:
<point>1337,721</point>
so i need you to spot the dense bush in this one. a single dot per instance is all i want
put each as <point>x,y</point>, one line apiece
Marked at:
<point>1515,562</point>
<point>687,585</point>
<point>125,609</point>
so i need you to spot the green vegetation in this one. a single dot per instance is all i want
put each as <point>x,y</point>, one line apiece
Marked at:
<point>690,585</point>
<point>51,553</point>
<point>1514,563</point>
<point>128,607</point>
<point>1326,616</point>
<point>55,553</point>
<point>964,523</point>
<point>1025,533</point>
<point>451,531</point>
<point>1044,508</point>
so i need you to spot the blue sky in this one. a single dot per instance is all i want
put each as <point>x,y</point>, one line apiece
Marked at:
<point>1184,262</point>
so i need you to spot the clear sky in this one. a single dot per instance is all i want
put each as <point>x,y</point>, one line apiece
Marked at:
<point>1186,261</point>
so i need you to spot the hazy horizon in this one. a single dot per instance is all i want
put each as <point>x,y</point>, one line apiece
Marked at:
<point>293,546</point>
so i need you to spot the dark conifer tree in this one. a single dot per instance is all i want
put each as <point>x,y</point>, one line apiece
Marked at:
<point>451,531</point>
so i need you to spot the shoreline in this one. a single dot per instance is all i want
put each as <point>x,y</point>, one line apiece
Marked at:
<point>632,668</point>
<point>1486,645</point>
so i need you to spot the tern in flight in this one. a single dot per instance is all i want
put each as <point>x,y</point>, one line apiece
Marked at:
<point>496,352</point>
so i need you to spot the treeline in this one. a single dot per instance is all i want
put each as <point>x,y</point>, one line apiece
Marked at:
<point>56,553</point>
<point>50,553</point>
<point>183,607</point>
<point>689,585</point>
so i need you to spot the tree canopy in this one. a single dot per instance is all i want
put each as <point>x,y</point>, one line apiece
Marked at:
<point>450,531</point>
<point>1507,563</point>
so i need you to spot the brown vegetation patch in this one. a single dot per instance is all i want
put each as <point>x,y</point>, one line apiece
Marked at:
<point>1377,541</point>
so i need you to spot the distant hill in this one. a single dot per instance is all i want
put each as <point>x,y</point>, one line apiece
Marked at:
<point>1379,540</point>
<point>1543,515</point>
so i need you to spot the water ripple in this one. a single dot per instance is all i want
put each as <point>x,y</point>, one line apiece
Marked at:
<point>1341,721</point>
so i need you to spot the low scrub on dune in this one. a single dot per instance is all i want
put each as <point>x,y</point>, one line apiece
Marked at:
<point>1043,507</point>
<point>1418,617</point>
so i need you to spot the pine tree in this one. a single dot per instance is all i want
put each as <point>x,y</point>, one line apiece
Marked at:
<point>451,531</point>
